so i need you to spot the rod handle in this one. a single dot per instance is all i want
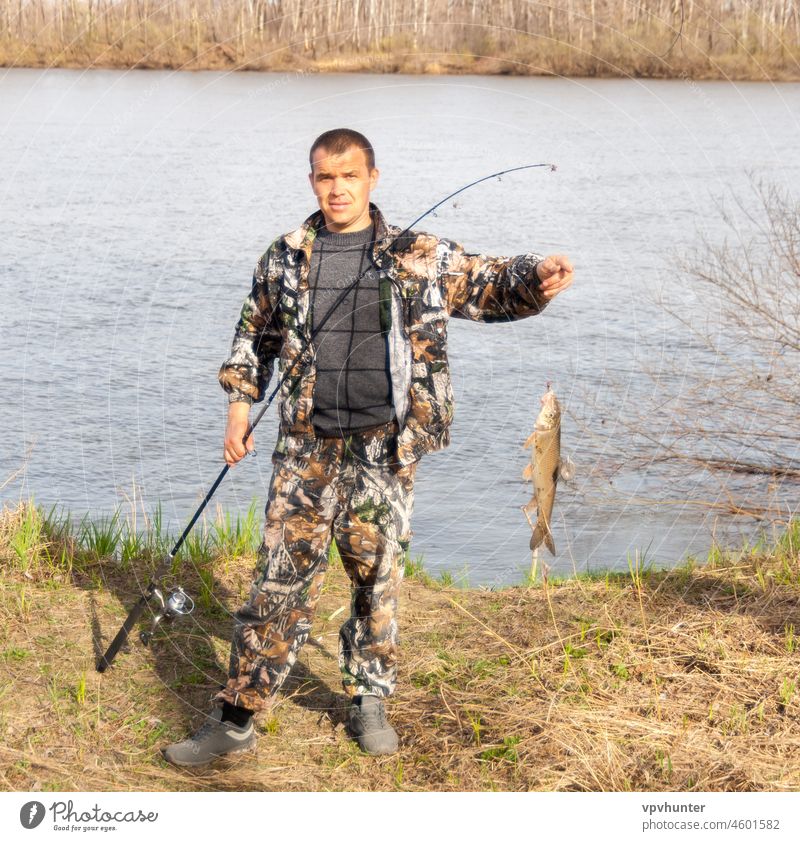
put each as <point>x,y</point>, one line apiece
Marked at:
<point>122,635</point>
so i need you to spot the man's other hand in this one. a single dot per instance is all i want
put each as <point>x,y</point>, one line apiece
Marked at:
<point>555,273</point>
<point>238,420</point>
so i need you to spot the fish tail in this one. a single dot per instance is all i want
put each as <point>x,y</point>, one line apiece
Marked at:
<point>542,535</point>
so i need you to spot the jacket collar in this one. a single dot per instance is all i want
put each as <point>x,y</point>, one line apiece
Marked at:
<point>302,238</point>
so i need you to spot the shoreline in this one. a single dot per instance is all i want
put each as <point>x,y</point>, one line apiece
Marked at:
<point>484,69</point>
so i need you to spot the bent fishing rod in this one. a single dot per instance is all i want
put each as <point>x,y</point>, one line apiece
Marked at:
<point>177,602</point>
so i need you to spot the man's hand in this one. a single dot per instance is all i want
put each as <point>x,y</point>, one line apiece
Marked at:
<point>238,420</point>
<point>555,272</point>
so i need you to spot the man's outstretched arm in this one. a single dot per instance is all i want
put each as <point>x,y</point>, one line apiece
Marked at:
<point>484,288</point>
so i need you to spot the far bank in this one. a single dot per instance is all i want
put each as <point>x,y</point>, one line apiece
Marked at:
<point>710,40</point>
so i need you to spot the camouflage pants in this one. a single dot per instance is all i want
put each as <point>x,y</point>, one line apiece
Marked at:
<point>352,490</point>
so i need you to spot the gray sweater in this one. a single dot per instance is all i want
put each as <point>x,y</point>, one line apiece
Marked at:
<point>353,389</point>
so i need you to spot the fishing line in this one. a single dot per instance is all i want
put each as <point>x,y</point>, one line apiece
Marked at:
<point>153,591</point>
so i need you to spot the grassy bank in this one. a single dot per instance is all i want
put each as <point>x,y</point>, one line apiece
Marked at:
<point>709,39</point>
<point>680,680</point>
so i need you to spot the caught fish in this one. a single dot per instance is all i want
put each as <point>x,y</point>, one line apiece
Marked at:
<point>545,469</point>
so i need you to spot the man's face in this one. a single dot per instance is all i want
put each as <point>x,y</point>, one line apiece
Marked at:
<point>342,184</point>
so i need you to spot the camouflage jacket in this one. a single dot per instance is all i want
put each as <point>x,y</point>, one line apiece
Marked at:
<point>423,278</point>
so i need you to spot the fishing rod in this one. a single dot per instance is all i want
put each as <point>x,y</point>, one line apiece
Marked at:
<point>177,602</point>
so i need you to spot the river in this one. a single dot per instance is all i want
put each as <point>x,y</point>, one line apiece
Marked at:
<point>135,205</point>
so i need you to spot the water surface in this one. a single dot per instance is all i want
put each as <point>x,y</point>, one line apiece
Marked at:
<point>135,205</point>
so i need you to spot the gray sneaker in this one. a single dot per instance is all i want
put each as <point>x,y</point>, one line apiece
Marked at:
<point>367,719</point>
<point>214,739</point>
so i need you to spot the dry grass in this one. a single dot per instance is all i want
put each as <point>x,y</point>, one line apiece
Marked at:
<point>682,680</point>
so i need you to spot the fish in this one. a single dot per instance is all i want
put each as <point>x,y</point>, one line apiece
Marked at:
<point>545,469</point>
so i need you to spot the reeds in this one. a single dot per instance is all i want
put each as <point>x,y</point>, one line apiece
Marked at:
<point>702,38</point>
<point>45,542</point>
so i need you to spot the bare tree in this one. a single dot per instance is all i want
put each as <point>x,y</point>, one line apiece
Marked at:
<point>737,410</point>
<point>745,37</point>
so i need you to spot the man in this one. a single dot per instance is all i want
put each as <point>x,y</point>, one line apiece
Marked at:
<point>369,393</point>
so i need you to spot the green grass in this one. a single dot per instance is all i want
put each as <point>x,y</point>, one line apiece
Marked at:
<point>788,543</point>
<point>789,638</point>
<point>99,538</point>
<point>620,670</point>
<point>12,653</point>
<point>639,567</point>
<point>237,535</point>
<point>57,525</point>
<point>505,752</point>
<point>477,724</point>
<point>199,546</point>
<point>270,725</point>
<point>48,540</point>
<point>26,541</point>
<point>609,577</point>
<point>80,690</point>
<point>416,569</point>
<point>205,598</point>
<point>131,546</point>
<point>786,693</point>
<point>157,538</point>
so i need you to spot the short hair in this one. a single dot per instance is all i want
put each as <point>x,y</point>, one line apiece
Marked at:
<point>338,140</point>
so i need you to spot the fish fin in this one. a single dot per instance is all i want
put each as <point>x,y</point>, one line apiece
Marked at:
<point>527,472</point>
<point>566,469</point>
<point>529,441</point>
